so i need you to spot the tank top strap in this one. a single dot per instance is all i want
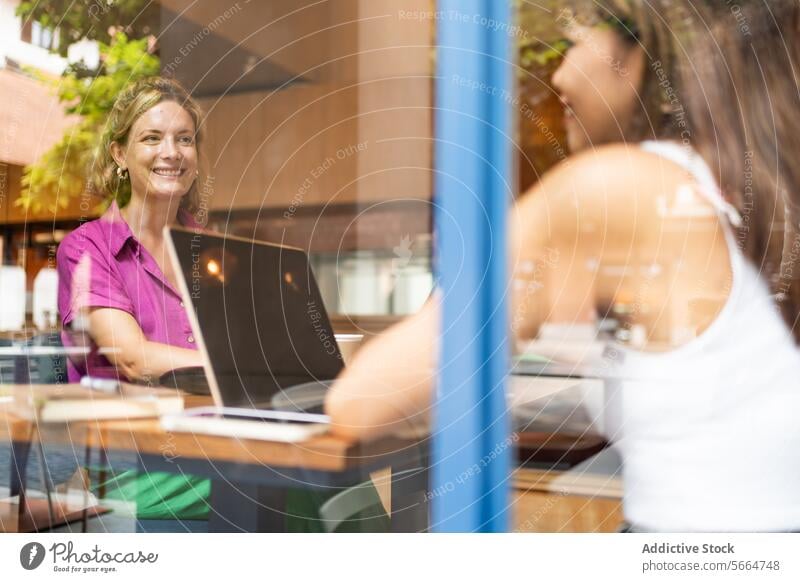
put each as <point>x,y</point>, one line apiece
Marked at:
<point>693,163</point>
<point>730,218</point>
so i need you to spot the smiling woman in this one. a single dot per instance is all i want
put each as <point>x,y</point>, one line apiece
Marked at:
<point>114,272</point>
<point>160,154</point>
<point>149,163</point>
<point>610,81</point>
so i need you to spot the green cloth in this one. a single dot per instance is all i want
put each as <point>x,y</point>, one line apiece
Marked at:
<point>161,495</point>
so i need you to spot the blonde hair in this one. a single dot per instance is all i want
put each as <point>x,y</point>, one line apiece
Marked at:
<point>130,105</point>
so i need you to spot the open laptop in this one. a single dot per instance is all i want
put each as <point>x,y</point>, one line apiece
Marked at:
<point>259,323</point>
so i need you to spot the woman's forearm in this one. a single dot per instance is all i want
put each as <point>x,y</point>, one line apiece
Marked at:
<point>122,342</point>
<point>152,359</point>
<point>389,386</point>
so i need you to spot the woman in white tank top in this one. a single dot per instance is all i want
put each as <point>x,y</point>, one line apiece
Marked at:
<point>680,239</point>
<point>706,430</point>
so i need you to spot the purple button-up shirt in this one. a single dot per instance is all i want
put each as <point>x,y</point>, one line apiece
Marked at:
<point>101,264</point>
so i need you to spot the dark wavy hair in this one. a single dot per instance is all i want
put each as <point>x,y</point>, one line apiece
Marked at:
<point>723,77</point>
<point>742,96</point>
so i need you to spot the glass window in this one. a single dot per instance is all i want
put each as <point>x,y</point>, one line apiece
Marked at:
<point>320,125</point>
<point>41,36</point>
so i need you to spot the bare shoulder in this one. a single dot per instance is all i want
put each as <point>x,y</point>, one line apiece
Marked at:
<point>618,187</point>
<point>617,171</point>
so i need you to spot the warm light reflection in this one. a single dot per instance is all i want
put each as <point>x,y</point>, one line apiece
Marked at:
<point>289,280</point>
<point>213,267</point>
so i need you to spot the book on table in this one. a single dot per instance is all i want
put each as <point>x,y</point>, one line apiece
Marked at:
<point>73,402</point>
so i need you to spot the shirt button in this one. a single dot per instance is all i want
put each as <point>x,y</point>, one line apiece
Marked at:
<point>190,339</point>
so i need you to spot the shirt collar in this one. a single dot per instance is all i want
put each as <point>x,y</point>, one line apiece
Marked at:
<point>119,232</point>
<point>116,228</point>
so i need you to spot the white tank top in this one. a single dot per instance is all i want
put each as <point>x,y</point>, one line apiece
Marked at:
<point>709,433</point>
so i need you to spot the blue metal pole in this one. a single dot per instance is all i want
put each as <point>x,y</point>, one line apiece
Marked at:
<point>472,448</point>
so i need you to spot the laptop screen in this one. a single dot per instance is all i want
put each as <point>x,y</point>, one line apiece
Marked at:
<point>260,315</point>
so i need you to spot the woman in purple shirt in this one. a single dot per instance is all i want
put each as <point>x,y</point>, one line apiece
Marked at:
<point>114,272</point>
<point>115,275</point>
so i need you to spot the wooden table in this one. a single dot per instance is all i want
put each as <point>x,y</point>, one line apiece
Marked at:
<point>571,501</point>
<point>249,477</point>
<point>321,453</point>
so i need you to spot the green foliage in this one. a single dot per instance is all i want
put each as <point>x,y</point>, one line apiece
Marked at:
<point>542,41</point>
<point>93,19</point>
<point>541,54</point>
<point>59,174</point>
<point>62,172</point>
<point>122,62</point>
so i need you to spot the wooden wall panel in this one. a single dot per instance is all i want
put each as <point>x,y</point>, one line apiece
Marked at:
<point>306,37</point>
<point>394,38</point>
<point>395,120</point>
<point>361,136</point>
<point>294,147</point>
